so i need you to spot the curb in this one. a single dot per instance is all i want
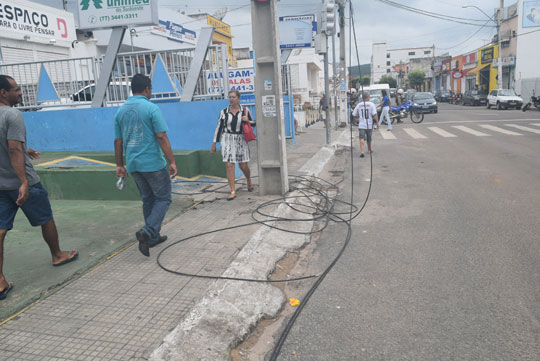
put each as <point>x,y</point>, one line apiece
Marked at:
<point>230,309</point>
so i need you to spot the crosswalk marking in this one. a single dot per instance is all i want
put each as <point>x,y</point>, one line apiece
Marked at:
<point>470,131</point>
<point>386,134</point>
<point>500,130</point>
<point>537,124</point>
<point>413,133</point>
<point>521,127</point>
<point>441,132</point>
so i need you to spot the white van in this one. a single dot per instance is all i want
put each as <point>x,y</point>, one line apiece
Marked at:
<point>376,89</point>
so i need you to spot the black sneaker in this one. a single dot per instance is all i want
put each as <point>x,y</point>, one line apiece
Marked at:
<point>362,155</point>
<point>143,239</point>
<point>155,243</point>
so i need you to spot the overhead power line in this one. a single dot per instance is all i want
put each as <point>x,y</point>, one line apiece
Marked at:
<point>454,19</point>
<point>469,38</point>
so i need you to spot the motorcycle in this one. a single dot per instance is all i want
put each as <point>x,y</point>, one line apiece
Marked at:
<point>535,100</point>
<point>405,110</point>
<point>455,99</point>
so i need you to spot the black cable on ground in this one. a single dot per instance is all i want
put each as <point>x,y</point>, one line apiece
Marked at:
<point>309,189</point>
<point>319,207</point>
<point>277,348</point>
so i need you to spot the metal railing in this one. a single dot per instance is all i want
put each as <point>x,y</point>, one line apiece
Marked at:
<point>74,79</point>
<point>68,76</point>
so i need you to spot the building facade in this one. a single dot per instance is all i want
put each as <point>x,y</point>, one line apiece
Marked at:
<point>527,70</point>
<point>39,33</point>
<point>456,66</point>
<point>508,41</point>
<point>383,59</point>
<point>469,62</point>
<point>305,76</point>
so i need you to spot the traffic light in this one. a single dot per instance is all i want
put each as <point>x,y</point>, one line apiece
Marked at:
<point>328,17</point>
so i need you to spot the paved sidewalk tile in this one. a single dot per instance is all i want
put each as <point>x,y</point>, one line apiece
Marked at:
<point>122,309</point>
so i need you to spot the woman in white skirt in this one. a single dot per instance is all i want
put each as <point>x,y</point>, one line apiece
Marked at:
<point>234,148</point>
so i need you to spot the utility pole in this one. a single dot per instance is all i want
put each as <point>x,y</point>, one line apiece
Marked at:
<point>499,60</point>
<point>334,73</point>
<point>271,147</point>
<point>342,66</point>
<point>327,28</point>
<point>327,93</point>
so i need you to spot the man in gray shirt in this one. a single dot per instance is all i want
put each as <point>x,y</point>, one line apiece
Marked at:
<point>20,186</point>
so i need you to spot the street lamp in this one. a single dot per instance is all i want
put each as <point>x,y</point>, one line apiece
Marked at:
<point>498,23</point>
<point>132,33</point>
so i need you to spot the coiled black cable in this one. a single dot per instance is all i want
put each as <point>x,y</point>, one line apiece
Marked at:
<point>277,348</point>
<point>309,187</point>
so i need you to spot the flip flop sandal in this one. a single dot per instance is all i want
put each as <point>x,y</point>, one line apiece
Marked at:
<point>69,259</point>
<point>5,291</point>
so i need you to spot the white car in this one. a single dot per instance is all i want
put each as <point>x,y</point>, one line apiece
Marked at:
<point>117,93</point>
<point>504,99</point>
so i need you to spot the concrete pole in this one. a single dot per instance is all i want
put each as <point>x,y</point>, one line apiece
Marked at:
<point>327,92</point>
<point>271,146</point>
<point>343,76</point>
<point>499,60</point>
<point>335,81</point>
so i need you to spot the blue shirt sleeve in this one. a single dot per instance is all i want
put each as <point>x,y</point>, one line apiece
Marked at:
<point>158,122</point>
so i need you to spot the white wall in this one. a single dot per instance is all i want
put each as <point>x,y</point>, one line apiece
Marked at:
<point>306,68</point>
<point>402,55</point>
<point>21,51</point>
<point>528,54</point>
<point>378,61</point>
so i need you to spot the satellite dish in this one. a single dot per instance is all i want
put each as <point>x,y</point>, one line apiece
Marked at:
<point>220,13</point>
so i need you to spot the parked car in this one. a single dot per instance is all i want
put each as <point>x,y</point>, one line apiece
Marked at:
<point>117,93</point>
<point>409,95</point>
<point>442,96</point>
<point>504,99</point>
<point>426,102</point>
<point>474,97</point>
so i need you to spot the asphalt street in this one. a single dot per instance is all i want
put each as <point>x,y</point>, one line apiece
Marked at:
<point>444,262</point>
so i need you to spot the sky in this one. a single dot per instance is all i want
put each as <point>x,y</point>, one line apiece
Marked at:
<point>374,21</point>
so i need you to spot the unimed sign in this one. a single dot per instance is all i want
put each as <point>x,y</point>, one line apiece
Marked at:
<point>95,14</point>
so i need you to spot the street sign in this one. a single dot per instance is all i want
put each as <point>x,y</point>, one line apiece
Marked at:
<point>27,20</point>
<point>296,31</point>
<point>96,14</point>
<point>241,79</point>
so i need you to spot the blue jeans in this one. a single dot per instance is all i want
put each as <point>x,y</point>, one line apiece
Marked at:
<point>155,190</point>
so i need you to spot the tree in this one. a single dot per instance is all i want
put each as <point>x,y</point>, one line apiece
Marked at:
<point>366,80</point>
<point>387,79</point>
<point>416,78</point>
<point>357,81</point>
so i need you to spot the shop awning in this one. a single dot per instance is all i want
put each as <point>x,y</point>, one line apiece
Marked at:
<point>475,71</point>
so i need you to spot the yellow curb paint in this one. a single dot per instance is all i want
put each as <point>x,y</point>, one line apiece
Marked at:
<point>19,313</point>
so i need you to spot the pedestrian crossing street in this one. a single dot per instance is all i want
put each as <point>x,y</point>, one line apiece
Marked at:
<point>454,131</point>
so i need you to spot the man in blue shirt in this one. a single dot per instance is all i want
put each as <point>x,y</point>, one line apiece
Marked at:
<point>141,134</point>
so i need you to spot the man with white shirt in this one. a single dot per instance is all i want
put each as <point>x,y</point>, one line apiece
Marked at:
<point>365,111</point>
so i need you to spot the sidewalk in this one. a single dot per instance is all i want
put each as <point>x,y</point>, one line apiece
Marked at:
<point>124,308</point>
